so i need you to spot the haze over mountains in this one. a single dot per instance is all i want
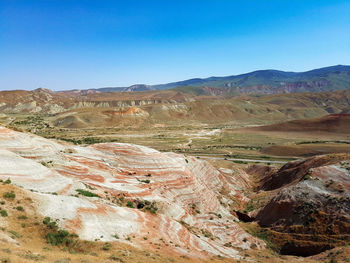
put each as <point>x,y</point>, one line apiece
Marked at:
<point>261,81</point>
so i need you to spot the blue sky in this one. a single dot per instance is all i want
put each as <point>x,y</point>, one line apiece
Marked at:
<point>67,44</point>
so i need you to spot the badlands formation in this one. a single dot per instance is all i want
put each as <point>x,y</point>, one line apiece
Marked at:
<point>121,194</point>
<point>136,195</point>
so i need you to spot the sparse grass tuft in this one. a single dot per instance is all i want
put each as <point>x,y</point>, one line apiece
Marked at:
<point>15,233</point>
<point>107,246</point>
<point>115,258</point>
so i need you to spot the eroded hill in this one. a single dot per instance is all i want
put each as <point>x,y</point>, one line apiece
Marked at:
<point>111,192</point>
<point>129,202</point>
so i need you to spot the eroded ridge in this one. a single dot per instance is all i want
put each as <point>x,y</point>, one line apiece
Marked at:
<point>129,193</point>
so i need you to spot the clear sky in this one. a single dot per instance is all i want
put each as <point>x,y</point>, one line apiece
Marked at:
<point>81,44</point>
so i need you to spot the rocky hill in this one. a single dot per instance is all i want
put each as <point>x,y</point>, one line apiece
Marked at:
<point>307,211</point>
<point>135,194</point>
<point>70,109</point>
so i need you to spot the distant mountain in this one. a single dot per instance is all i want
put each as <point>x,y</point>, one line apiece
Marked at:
<point>274,81</point>
<point>133,88</point>
<point>259,82</point>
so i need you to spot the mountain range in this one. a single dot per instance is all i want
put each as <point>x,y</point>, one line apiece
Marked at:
<point>261,81</point>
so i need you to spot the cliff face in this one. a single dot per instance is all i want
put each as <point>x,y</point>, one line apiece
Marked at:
<point>107,190</point>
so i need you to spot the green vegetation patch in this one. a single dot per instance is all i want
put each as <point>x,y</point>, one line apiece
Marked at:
<point>86,193</point>
<point>89,140</point>
<point>15,233</point>
<point>3,213</point>
<point>56,236</point>
<point>9,195</point>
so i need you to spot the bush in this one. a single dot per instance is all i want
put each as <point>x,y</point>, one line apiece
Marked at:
<point>50,224</point>
<point>58,238</point>
<point>20,208</point>
<point>8,181</point>
<point>107,246</point>
<point>146,181</point>
<point>9,195</point>
<point>15,233</point>
<point>130,204</point>
<point>86,193</point>
<point>3,213</point>
<point>151,207</point>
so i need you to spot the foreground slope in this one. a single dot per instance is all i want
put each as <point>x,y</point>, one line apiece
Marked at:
<point>144,196</point>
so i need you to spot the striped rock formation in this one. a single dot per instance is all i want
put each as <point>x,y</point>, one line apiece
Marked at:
<point>146,198</point>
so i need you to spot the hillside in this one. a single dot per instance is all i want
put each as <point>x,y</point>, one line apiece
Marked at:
<point>148,206</point>
<point>309,210</point>
<point>334,123</point>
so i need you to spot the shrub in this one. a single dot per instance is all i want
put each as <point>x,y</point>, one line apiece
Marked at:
<point>14,233</point>
<point>130,204</point>
<point>3,213</point>
<point>8,181</point>
<point>50,224</point>
<point>20,208</point>
<point>107,246</point>
<point>9,195</point>
<point>86,193</point>
<point>307,177</point>
<point>5,260</point>
<point>151,207</point>
<point>58,238</point>
<point>115,258</point>
<point>146,181</point>
<point>207,234</point>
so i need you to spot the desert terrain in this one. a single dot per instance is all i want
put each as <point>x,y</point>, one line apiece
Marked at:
<point>174,176</point>
<point>174,131</point>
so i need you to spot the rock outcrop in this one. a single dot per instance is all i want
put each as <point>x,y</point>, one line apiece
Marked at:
<point>310,211</point>
<point>135,193</point>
